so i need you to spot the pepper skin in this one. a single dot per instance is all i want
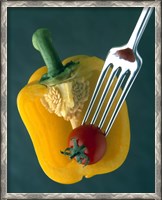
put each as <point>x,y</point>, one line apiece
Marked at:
<point>49,133</point>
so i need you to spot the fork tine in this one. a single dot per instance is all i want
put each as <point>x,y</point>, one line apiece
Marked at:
<point>96,91</point>
<point>125,91</point>
<point>112,97</point>
<point>106,89</point>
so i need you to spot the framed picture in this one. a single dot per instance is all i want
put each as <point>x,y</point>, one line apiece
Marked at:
<point>89,28</point>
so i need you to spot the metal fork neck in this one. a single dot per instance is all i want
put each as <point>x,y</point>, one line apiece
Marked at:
<point>139,28</point>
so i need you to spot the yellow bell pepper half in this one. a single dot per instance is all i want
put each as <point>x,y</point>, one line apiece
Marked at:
<point>49,133</point>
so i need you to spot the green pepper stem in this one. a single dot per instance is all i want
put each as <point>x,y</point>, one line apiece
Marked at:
<point>43,43</point>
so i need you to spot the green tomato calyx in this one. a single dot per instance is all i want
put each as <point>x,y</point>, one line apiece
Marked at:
<point>77,152</point>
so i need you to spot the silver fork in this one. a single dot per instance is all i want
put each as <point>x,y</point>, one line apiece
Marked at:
<point>124,63</point>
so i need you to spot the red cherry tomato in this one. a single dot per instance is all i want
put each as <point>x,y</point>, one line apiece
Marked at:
<point>87,144</point>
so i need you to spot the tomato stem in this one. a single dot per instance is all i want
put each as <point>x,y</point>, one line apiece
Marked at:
<point>77,152</point>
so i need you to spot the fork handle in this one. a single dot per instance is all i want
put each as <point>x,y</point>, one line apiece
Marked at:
<point>140,27</point>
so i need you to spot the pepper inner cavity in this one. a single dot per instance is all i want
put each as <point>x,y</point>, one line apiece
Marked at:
<point>67,99</point>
